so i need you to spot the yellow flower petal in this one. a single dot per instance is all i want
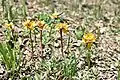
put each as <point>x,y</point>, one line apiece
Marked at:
<point>54,15</point>
<point>63,26</point>
<point>41,24</point>
<point>29,24</point>
<point>64,30</point>
<point>88,39</point>
<point>9,25</point>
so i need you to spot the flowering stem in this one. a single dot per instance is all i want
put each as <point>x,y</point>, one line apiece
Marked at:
<point>41,43</point>
<point>50,31</point>
<point>61,41</point>
<point>31,41</point>
<point>88,59</point>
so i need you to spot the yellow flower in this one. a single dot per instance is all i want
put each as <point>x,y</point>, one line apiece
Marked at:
<point>41,24</point>
<point>63,26</point>
<point>54,15</point>
<point>29,24</point>
<point>9,25</point>
<point>88,39</point>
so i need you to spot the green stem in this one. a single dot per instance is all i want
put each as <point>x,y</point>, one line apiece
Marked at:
<point>13,36</point>
<point>68,44</point>
<point>24,8</point>
<point>50,31</point>
<point>118,72</point>
<point>61,42</point>
<point>31,41</point>
<point>88,58</point>
<point>10,12</point>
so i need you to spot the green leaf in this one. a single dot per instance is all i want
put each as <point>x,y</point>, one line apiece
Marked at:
<point>37,76</point>
<point>79,34</point>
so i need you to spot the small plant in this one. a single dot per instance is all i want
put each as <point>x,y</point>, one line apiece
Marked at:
<point>41,25</point>
<point>10,35</point>
<point>9,29</point>
<point>29,24</point>
<point>10,58</point>
<point>70,67</point>
<point>63,28</point>
<point>88,39</point>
